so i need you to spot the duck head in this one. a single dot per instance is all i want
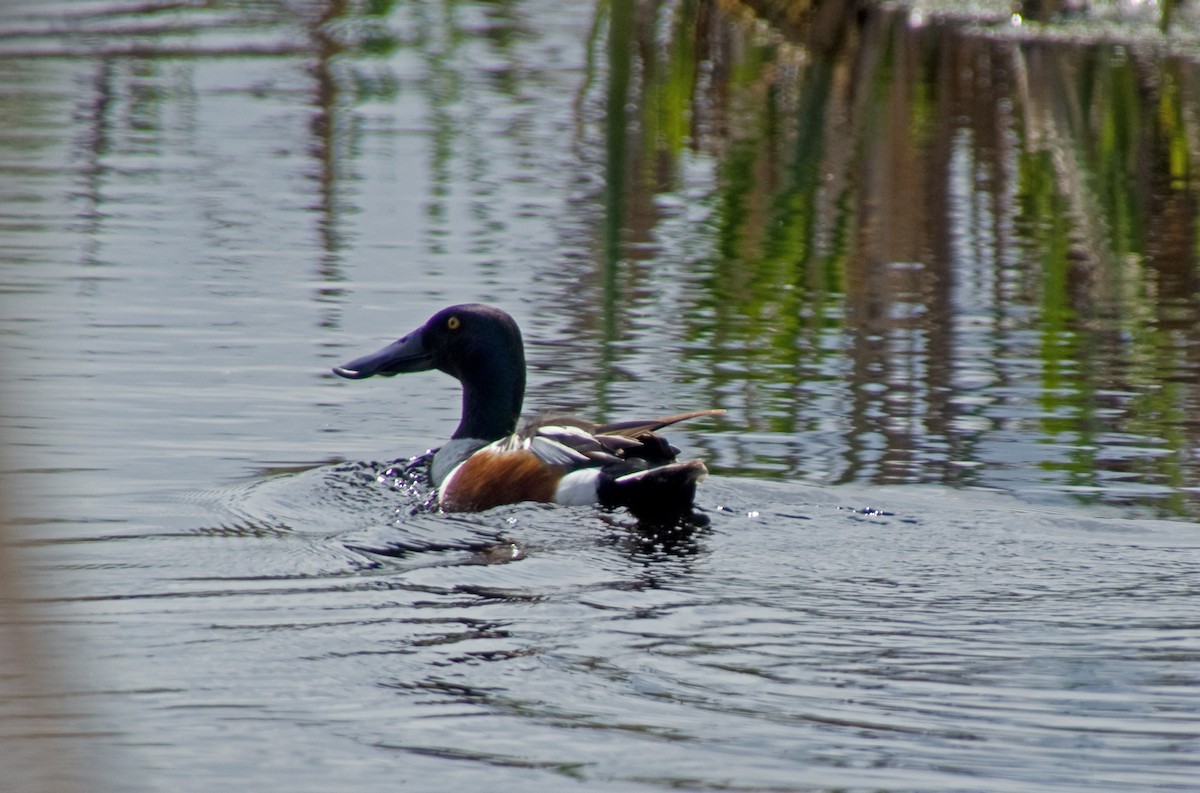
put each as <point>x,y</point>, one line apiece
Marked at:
<point>478,345</point>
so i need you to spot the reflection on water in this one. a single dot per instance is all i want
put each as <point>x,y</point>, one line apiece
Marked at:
<point>926,254</point>
<point>899,249</point>
<point>895,249</point>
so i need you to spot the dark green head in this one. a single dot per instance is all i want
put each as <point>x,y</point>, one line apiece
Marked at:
<point>480,346</point>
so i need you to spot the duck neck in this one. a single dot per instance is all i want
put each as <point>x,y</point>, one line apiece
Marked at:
<point>492,402</point>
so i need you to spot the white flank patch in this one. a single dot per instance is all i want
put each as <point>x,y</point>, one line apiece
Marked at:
<point>578,488</point>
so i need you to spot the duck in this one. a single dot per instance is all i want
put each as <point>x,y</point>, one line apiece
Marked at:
<point>490,461</point>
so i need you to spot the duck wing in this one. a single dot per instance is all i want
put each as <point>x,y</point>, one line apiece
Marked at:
<point>574,443</point>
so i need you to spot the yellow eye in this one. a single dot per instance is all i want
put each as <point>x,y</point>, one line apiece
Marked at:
<point>454,323</point>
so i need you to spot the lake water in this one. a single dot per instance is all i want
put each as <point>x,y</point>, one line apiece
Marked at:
<point>942,275</point>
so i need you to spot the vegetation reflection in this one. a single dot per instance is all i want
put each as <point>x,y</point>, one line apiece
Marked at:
<point>934,253</point>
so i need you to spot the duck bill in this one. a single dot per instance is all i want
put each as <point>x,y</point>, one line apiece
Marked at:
<point>404,355</point>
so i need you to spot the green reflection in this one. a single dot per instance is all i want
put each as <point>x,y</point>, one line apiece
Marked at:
<point>927,254</point>
<point>896,251</point>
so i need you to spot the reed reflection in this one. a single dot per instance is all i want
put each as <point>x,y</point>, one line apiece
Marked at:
<point>932,254</point>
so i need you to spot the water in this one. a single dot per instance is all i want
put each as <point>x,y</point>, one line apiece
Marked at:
<point>807,640</point>
<point>953,542</point>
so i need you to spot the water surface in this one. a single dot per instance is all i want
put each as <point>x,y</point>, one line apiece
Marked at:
<point>942,277</point>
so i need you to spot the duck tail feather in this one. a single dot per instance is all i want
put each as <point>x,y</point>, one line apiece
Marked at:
<point>662,493</point>
<point>635,427</point>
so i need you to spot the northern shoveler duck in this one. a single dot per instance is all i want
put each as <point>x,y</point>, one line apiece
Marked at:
<point>488,462</point>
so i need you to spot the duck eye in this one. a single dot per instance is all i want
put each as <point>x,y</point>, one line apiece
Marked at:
<point>454,323</point>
